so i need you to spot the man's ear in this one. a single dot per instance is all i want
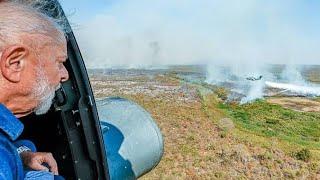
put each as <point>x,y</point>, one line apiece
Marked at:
<point>12,62</point>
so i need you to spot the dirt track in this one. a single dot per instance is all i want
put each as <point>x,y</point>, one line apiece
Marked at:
<point>301,104</point>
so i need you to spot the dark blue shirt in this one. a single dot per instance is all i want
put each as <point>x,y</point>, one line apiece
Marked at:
<point>11,166</point>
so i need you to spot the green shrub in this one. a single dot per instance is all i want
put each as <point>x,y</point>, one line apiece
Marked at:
<point>222,93</point>
<point>303,155</point>
<point>272,121</point>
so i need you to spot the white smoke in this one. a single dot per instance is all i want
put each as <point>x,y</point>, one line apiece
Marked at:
<point>145,33</point>
<point>292,74</point>
<point>241,36</point>
<point>245,79</point>
<point>299,89</point>
<point>255,92</point>
<point>217,74</point>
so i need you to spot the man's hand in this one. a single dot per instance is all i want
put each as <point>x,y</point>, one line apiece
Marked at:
<point>35,160</point>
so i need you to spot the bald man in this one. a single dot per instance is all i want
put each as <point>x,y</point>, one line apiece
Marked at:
<point>32,52</point>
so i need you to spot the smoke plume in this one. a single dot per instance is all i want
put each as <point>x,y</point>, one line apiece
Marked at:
<point>147,33</point>
<point>241,36</point>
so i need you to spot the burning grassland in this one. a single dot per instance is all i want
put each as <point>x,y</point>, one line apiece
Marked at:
<point>248,84</point>
<point>207,138</point>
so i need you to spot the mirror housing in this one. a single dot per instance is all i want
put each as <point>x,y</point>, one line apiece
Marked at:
<point>133,141</point>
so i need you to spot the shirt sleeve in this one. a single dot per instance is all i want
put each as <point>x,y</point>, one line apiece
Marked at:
<point>5,162</point>
<point>25,144</point>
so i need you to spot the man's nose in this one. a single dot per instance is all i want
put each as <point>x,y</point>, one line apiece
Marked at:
<point>64,74</point>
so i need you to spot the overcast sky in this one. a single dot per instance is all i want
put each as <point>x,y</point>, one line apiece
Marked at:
<point>159,32</point>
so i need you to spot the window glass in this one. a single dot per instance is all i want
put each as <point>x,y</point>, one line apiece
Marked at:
<point>230,82</point>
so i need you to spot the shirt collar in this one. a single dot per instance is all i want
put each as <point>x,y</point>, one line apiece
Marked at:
<point>9,123</point>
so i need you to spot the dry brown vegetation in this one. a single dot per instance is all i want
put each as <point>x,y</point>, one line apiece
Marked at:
<point>297,103</point>
<point>201,140</point>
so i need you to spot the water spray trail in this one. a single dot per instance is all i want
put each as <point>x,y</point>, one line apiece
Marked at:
<point>299,89</point>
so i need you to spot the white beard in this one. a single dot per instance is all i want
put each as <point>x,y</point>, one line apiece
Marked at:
<point>44,93</point>
<point>45,103</point>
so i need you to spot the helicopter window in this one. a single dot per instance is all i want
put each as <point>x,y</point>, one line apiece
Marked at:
<point>234,85</point>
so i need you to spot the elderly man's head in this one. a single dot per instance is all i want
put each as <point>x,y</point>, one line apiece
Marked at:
<point>32,52</point>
